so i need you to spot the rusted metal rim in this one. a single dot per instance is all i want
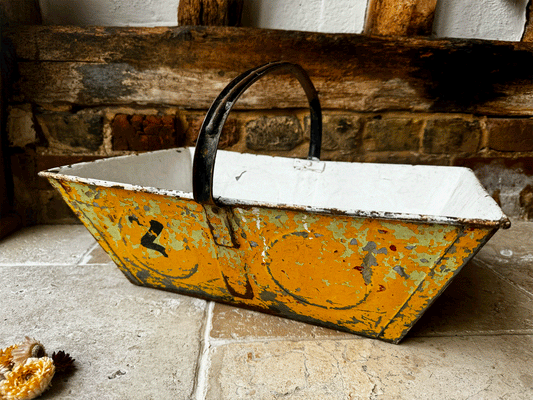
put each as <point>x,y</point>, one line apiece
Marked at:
<point>208,138</point>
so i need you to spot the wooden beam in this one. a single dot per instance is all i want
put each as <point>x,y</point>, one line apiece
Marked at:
<point>189,66</point>
<point>210,12</point>
<point>400,17</point>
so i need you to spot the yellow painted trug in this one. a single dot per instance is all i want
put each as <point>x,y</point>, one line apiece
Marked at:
<point>367,276</point>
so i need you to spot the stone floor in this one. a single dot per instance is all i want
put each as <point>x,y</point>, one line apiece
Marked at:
<point>129,342</point>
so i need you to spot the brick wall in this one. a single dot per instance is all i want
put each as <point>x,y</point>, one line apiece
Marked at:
<point>500,150</point>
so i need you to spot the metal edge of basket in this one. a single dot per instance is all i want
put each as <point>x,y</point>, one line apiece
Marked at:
<point>504,222</point>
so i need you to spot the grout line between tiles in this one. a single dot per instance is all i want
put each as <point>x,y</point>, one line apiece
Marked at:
<point>504,278</point>
<point>204,363</point>
<point>40,264</point>
<point>517,332</point>
<point>223,342</point>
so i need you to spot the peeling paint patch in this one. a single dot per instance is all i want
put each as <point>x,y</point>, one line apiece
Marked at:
<point>401,271</point>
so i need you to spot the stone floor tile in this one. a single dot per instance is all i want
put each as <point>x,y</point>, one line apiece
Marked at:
<point>46,244</point>
<point>96,255</point>
<point>482,367</point>
<point>477,302</point>
<point>237,323</point>
<point>129,342</point>
<point>510,254</point>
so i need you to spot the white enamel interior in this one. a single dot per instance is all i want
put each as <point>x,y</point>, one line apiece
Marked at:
<point>354,188</point>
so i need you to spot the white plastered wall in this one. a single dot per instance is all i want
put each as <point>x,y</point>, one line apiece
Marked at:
<point>482,19</point>
<point>329,16</point>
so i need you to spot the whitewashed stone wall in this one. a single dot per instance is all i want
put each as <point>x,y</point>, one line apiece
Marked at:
<point>482,19</point>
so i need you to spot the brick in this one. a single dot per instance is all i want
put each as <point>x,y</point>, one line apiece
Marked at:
<point>273,133</point>
<point>339,132</point>
<point>522,164</point>
<point>526,202</point>
<point>404,157</point>
<point>79,131</point>
<point>507,179</point>
<point>449,136</point>
<point>230,132</point>
<point>507,134</point>
<point>21,131</point>
<point>392,134</point>
<point>146,132</point>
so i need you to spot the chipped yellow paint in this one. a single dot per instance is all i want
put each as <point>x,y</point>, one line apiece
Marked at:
<point>367,276</point>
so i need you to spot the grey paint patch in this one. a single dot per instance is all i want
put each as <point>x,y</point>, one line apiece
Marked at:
<point>401,271</point>
<point>369,261</point>
<point>302,234</point>
<point>142,275</point>
<point>370,246</point>
<point>253,244</point>
<point>268,296</point>
<point>167,283</point>
<point>353,242</point>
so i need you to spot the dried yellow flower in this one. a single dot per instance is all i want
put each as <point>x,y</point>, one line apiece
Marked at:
<point>6,360</point>
<point>29,348</point>
<point>29,380</point>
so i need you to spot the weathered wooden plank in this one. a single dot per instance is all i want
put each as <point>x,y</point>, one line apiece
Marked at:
<point>210,12</point>
<point>93,84</point>
<point>400,17</point>
<point>188,66</point>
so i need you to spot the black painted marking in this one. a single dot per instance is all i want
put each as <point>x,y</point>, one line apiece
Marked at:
<point>248,294</point>
<point>133,218</point>
<point>148,239</point>
<point>239,177</point>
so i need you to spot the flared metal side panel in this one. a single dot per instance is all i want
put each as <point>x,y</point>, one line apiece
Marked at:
<point>366,276</point>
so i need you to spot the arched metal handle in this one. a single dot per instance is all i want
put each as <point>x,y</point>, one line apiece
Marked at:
<point>208,138</point>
